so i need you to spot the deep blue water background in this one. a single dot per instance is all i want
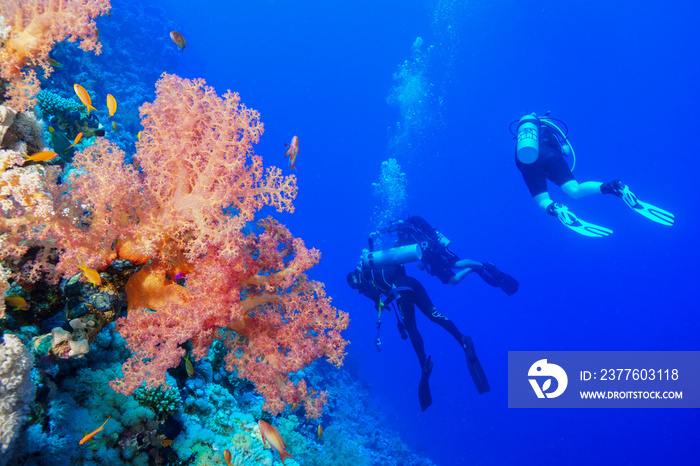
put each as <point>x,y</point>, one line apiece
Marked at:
<point>624,77</point>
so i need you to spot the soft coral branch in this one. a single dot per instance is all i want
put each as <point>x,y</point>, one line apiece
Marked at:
<point>35,27</point>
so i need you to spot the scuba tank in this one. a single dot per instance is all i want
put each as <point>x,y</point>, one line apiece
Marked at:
<point>528,144</point>
<point>393,256</point>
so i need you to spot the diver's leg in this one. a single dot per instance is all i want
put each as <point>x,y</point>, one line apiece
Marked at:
<point>405,303</point>
<point>408,312</point>
<point>578,190</point>
<point>543,200</point>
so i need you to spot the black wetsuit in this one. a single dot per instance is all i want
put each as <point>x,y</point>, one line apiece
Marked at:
<point>393,283</point>
<point>437,258</point>
<point>550,164</point>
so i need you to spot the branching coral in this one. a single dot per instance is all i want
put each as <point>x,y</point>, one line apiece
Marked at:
<point>199,183</point>
<point>35,27</point>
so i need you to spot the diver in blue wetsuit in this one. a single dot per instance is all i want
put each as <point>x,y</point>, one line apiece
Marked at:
<point>540,151</point>
<point>385,282</point>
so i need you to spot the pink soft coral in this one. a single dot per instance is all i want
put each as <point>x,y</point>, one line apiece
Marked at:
<point>35,27</point>
<point>199,183</point>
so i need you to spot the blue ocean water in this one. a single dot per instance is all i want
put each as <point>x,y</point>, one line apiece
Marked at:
<point>357,85</point>
<point>623,77</point>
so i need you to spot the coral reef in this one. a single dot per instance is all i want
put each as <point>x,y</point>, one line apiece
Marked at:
<point>35,27</point>
<point>16,390</point>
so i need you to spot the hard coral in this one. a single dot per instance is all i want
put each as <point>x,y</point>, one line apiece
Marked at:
<point>16,390</point>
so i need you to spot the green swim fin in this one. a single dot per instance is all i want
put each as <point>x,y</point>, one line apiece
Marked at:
<point>570,220</point>
<point>649,211</point>
<point>474,366</point>
<point>424,395</point>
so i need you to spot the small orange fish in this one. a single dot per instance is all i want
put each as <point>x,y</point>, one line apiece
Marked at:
<point>51,130</point>
<point>138,135</point>
<point>92,275</point>
<point>111,104</point>
<point>166,442</point>
<point>272,435</point>
<point>53,62</point>
<point>44,156</point>
<point>77,140</point>
<point>17,302</point>
<point>188,367</point>
<point>178,39</point>
<point>93,433</point>
<point>292,152</point>
<point>84,97</point>
<point>114,125</point>
<point>320,432</point>
<point>227,457</point>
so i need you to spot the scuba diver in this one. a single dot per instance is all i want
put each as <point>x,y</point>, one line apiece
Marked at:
<point>437,259</point>
<point>382,277</point>
<point>540,150</point>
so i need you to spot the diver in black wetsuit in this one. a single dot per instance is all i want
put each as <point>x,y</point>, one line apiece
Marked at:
<point>389,283</point>
<point>539,155</point>
<point>438,260</point>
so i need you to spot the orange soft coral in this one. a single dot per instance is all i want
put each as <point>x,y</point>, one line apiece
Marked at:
<point>35,27</point>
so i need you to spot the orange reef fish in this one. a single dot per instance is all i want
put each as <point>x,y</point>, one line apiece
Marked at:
<point>166,442</point>
<point>178,39</point>
<point>138,135</point>
<point>17,302</point>
<point>92,434</point>
<point>84,97</point>
<point>53,62</point>
<point>272,435</point>
<point>227,457</point>
<point>77,140</point>
<point>111,104</point>
<point>188,366</point>
<point>92,275</point>
<point>320,432</point>
<point>292,152</point>
<point>114,125</point>
<point>44,156</point>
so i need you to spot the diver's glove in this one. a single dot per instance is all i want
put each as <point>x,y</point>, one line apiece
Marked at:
<point>402,330</point>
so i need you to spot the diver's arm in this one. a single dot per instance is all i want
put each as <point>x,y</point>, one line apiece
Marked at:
<point>467,264</point>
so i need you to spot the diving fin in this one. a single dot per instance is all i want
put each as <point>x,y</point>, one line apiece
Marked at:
<point>474,366</point>
<point>649,211</point>
<point>494,277</point>
<point>424,395</point>
<point>570,220</point>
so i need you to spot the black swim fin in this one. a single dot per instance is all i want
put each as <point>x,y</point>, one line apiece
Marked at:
<point>424,395</point>
<point>494,277</point>
<point>474,366</point>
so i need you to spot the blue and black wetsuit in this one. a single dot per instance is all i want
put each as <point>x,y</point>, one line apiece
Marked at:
<point>392,283</point>
<point>550,164</point>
